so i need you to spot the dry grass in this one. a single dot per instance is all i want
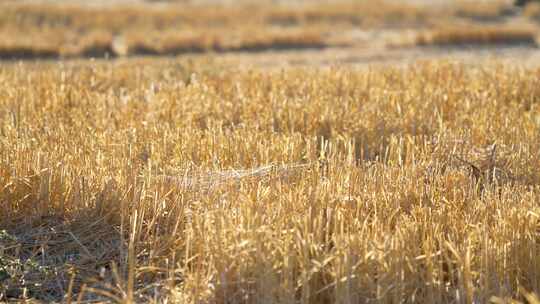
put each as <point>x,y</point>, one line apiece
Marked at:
<point>532,11</point>
<point>173,43</point>
<point>198,183</point>
<point>119,17</point>
<point>487,35</point>
<point>484,11</point>
<point>101,43</point>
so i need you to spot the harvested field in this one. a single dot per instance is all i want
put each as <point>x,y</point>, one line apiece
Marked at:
<point>195,182</point>
<point>315,152</point>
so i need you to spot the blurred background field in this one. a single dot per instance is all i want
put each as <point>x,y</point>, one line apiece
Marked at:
<point>66,29</point>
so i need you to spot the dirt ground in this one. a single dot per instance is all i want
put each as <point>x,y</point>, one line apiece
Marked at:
<point>362,57</point>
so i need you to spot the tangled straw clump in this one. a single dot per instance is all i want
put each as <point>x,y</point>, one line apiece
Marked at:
<point>193,182</point>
